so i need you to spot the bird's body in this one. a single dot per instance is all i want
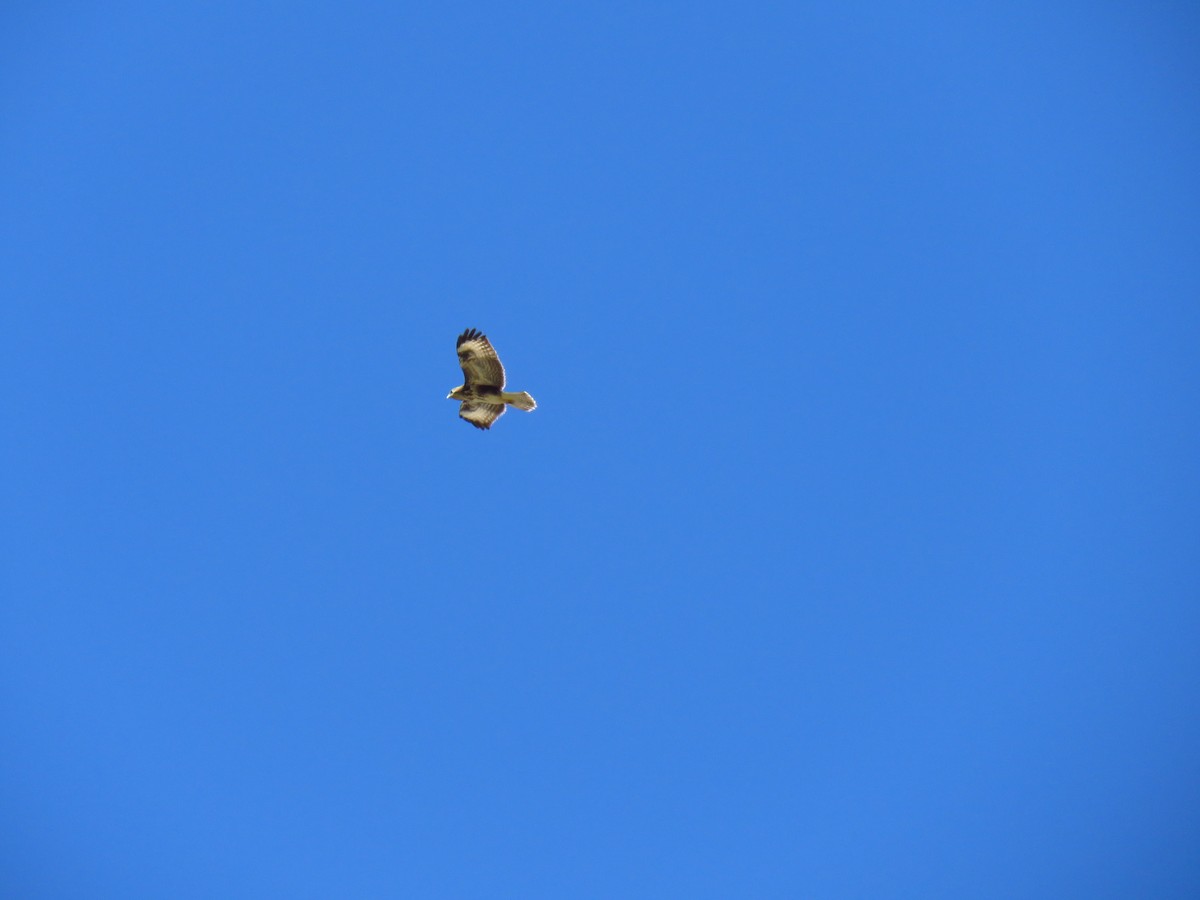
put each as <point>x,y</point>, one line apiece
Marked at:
<point>482,393</point>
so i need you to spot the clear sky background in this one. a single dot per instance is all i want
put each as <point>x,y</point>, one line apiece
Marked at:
<point>853,549</point>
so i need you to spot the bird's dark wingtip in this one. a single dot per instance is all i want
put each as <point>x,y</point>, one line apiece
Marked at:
<point>469,335</point>
<point>481,426</point>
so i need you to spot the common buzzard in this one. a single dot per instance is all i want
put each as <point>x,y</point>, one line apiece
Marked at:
<point>482,394</point>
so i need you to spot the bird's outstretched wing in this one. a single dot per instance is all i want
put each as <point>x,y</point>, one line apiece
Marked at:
<point>479,361</point>
<point>481,415</point>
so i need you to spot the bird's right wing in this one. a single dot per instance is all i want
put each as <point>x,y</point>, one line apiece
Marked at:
<point>481,415</point>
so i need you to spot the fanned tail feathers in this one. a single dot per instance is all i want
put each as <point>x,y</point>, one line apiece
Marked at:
<point>520,399</point>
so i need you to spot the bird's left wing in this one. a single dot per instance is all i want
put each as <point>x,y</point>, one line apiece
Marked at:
<point>479,361</point>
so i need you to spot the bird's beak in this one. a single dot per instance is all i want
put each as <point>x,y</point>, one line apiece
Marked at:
<point>449,395</point>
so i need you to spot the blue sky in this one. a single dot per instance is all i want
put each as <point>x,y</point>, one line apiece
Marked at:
<point>851,551</point>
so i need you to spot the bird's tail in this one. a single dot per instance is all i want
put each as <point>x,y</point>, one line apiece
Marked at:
<point>520,400</point>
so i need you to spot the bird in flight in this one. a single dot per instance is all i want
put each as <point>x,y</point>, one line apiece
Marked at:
<point>482,391</point>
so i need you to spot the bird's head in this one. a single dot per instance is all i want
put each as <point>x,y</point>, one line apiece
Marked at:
<point>457,393</point>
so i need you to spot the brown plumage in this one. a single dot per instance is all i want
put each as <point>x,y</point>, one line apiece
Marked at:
<point>482,391</point>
